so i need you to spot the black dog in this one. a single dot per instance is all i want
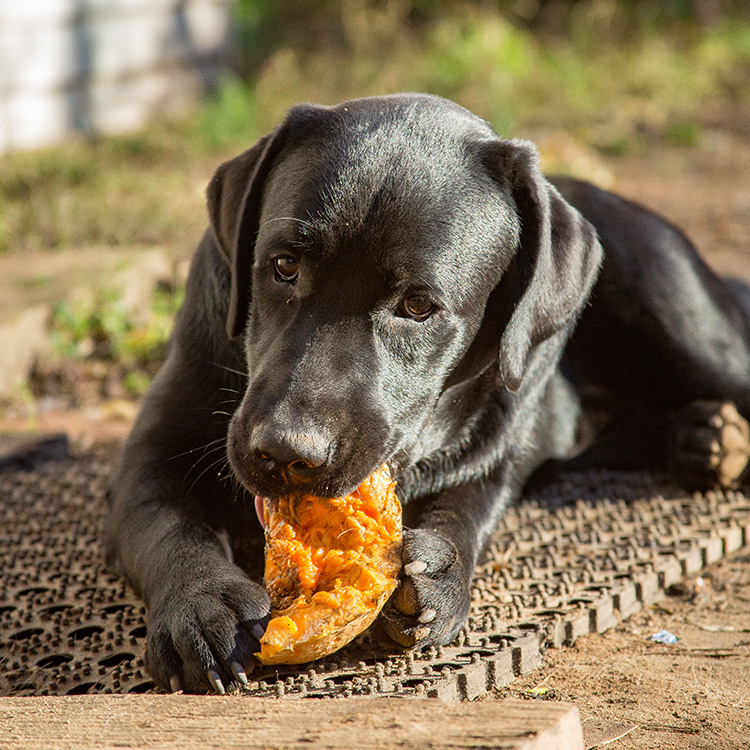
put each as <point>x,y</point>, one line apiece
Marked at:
<point>389,281</point>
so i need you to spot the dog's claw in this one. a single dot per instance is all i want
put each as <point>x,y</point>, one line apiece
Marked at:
<point>239,672</point>
<point>432,599</point>
<point>421,633</point>
<point>175,684</point>
<point>216,682</point>
<point>415,568</point>
<point>257,630</point>
<point>427,615</point>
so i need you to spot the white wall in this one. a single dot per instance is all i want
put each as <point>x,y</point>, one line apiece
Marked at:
<point>102,66</point>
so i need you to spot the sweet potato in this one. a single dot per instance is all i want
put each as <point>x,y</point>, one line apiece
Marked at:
<point>331,564</point>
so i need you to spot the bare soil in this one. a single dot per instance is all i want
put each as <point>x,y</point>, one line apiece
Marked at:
<point>631,692</point>
<point>635,694</point>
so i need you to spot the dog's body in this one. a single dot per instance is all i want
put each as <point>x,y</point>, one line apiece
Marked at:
<point>389,281</point>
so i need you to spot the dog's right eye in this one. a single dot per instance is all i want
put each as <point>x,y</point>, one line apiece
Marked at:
<point>286,268</point>
<point>418,307</point>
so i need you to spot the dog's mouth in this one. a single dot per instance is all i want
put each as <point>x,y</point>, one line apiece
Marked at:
<point>260,500</point>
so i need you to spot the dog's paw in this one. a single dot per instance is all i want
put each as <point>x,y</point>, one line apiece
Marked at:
<point>432,600</point>
<point>711,444</point>
<point>202,636</point>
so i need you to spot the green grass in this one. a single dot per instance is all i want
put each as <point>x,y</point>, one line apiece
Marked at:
<point>618,76</point>
<point>101,329</point>
<point>113,191</point>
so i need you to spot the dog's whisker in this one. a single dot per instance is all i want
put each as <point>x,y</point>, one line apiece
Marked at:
<point>230,369</point>
<point>234,490</point>
<point>203,408</point>
<point>199,448</point>
<point>207,455</point>
<point>223,461</point>
<point>304,222</point>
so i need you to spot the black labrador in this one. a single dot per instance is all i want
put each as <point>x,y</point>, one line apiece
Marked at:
<point>387,280</point>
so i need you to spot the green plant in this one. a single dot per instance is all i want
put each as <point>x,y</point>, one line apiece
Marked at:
<point>622,74</point>
<point>101,329</point>
<point>225,120</point>
<point>683,132</point>
<point>4,236</point>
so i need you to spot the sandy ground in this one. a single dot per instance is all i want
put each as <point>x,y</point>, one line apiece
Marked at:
<point>631,692</point>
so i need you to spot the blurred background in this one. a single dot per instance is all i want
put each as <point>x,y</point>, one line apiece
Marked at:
<point>115,113</point>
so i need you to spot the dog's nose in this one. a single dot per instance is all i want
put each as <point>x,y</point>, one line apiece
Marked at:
<point>299,453</point>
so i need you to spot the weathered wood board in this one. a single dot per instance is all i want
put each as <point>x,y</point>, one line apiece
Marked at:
<point>191,722</point>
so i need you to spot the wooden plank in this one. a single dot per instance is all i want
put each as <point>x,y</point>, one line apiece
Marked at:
<point>191,722</point>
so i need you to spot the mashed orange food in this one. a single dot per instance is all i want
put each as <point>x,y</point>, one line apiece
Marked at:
<point>331,564</point>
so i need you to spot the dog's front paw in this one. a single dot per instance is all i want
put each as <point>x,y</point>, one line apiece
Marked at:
<point>432,600</point>
<point>711,444</point>
<point>202,635</point>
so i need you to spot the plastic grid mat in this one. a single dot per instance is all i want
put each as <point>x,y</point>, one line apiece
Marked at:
<point>577,557</point>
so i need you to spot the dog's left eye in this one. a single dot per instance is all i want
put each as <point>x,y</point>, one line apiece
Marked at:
<point>286,268</point>
<point>417,308</point>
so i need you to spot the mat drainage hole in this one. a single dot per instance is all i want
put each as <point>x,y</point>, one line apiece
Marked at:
<point>139,632</point>
<point>25,687</point>
<point>54,609</point>
<point>143,687</point>
<point>81,689</point>
<point>54,660</point>
<point>33,590</point>
<point>115,659</point>
<point>111,609</point>
<point>86,632</point>
<point>23,635</point>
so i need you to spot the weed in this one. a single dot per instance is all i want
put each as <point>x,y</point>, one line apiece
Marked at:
<point>613,74</point>
<point>683,132</point>
<point>227,120</point>
<point>100,329</point>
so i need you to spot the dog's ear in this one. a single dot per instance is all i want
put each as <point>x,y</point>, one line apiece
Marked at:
<point>556,261</point>
<point>234,203</point>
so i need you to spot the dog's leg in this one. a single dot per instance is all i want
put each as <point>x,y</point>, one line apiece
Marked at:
<point>710,445</point>
<point>664,333</point>
<point>439,554</point>
<point>171,496</point>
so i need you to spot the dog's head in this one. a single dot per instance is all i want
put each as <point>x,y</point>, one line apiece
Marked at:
<point>380,252</point>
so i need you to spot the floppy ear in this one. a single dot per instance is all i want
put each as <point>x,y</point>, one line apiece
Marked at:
<point>234,202</point>
<point>556,261</point>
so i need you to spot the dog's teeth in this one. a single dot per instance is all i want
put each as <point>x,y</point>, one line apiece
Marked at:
<point>216,682</point>
<point>415,568</point>
<point>239,672</point>
<point>175,683</point>
<point>428,615</point>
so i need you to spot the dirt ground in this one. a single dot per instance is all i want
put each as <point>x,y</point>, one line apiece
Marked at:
<point>631,692</point>
<point>635,694</point>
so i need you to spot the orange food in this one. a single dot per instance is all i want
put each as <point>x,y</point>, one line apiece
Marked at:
<point>331,564</point>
